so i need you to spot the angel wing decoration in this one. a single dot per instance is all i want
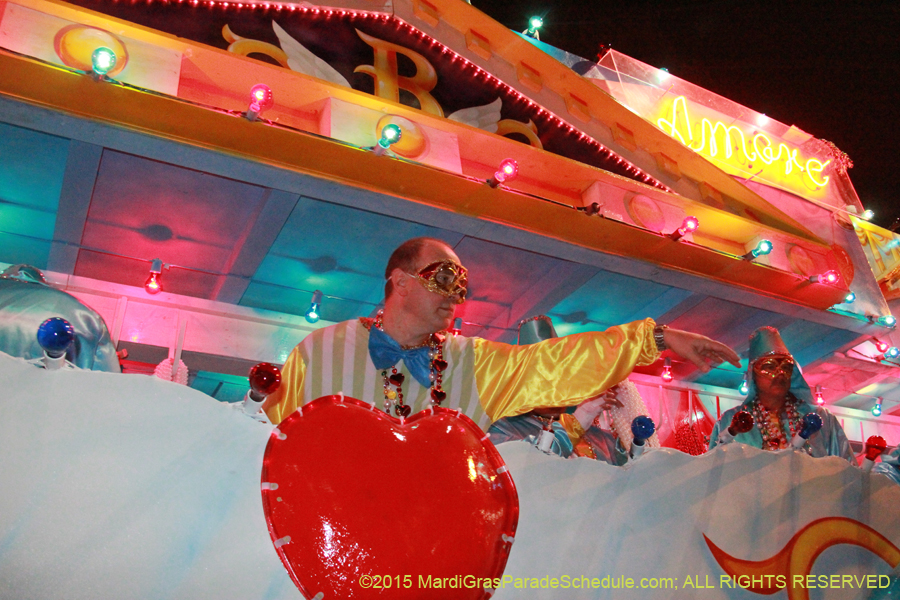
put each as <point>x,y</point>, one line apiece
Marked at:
<point>303,61</point>
<point>483,117</point>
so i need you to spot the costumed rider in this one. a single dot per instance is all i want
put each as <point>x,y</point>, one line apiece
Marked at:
<point>404,361</point>
<point>575,431</point>
<point>27,300</point>
<point>778,399</point>
<point>890,466</point>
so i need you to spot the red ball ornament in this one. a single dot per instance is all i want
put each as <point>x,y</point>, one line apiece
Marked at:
<point>264,378</point>
<point>741,422</point>
<point>875,447</point>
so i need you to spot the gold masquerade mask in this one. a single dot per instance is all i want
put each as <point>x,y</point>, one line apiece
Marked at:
<point>445,278</point>
<point>771,366</point>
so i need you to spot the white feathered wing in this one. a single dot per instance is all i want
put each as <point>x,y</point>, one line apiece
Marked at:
<point>303,61</point>
<point>483,117</point>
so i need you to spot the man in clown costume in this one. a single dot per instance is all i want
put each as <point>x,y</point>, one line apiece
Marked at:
<point>404,360</point>
<point>778,398</point>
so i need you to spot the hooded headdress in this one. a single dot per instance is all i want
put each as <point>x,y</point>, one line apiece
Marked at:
<point>764,342</point>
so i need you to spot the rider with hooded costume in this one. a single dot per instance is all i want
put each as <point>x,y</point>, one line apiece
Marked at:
<point>769,357</point>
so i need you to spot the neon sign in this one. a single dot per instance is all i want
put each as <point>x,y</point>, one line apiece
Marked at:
<point>719,141</point>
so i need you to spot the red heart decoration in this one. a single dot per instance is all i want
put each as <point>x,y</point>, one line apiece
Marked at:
<point>363,505</point>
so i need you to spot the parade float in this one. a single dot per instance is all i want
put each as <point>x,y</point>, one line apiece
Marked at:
<point>218,179</point>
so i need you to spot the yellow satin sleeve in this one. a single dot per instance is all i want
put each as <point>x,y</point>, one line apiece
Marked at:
<point>289,395</point>
<point>563,371</point>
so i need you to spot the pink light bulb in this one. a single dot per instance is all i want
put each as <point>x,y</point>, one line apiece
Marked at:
<point>508,170</point>
<point>261,97</point>
<point>667,375</point>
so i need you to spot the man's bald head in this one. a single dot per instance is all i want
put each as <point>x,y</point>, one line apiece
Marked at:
<point>406,258</point>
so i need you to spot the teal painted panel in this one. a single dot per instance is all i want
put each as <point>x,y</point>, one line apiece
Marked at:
<point>27,221</point>
<point>612,299</point>
<point>32,166</point>
<point>339,250</point>
<point>15,249</point>
<point>225,388</point>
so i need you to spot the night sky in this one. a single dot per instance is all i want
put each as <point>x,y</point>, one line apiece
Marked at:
<point>829,68</point>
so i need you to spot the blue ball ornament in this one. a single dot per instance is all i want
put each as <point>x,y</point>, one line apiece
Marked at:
<point>55,335</point>
<point>642,427</point>
<point>811,423</point>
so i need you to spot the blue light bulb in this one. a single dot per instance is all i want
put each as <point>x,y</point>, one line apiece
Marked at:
<point>876,410</point>
<point>744,389</point>
<point>55,335</point>
<point>642,427</point>
<point>851,297</point>
<point>810,424</point>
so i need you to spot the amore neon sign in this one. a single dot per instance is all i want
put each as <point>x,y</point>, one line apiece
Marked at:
<point>719,141</point>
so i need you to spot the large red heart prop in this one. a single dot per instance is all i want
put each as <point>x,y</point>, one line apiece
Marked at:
<point>362,505</point>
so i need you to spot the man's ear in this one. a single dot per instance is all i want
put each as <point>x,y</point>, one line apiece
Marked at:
<point>401,282</point>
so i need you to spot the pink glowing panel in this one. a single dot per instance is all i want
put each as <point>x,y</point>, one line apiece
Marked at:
<point>357,500</point>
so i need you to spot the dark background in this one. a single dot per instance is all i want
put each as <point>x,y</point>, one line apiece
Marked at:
<point>830,68</point>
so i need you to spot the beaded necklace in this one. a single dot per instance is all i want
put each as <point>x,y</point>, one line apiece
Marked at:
<point>769,423</point>
<point>438,366</point>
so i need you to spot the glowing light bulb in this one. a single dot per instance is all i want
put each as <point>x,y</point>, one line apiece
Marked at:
<point>744,389</point>
<point>312,314</point>
<point>762,120</point>
<point>882,346</point>
<point>390,134</point>
<point>849,298</point>
<point>261,98</point>
<point>103,60</point>
<point>534,24</point>
<point>762,248</point>
<point>868,214</point>
<point>153,285</point>
<point>667,371</point>
<point>876,410</point>
<point>820,400</point>
<point>507,171</point>
<point>829,277</point>
<point>457,326</point>
<point>892,352</point>
<point>886,320</point>
<point>689,225</point>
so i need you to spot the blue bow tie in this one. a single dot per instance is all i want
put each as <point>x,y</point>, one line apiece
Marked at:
<point>386,352</point>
